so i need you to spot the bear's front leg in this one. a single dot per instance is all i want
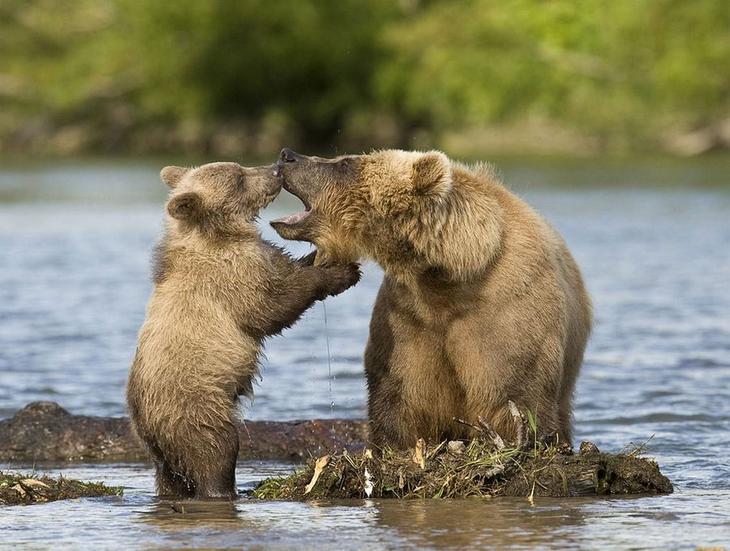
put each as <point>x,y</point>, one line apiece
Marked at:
<point>389,421</point>
<point>298,290</point>
<point>413,388</point>
<point>308,259</point>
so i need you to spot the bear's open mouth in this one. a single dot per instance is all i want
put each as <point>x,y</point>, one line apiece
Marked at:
<point>292,219</point>
<point>297,217</point>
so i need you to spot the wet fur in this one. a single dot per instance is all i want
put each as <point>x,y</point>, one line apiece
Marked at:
<point>219,291</point>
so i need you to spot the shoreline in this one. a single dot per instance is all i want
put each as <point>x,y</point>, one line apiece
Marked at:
<point>46,432</point>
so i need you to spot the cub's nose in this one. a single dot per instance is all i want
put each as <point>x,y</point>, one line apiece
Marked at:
<point>287,155</point>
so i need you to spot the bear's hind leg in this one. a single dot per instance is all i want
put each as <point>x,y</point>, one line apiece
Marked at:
<point>171,484</point>
<point>216,473</point>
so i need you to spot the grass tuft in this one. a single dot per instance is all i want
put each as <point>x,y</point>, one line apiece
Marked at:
<point>26,489</point>
<point>476,468</point>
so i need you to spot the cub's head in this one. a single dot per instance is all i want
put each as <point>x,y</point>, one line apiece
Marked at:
<point>377,205</point>
<point>218,198</point>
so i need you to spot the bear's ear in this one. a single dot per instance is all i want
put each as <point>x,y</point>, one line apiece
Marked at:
<point>186,206</point>
<point>172,175</point>
<point>432,175</point>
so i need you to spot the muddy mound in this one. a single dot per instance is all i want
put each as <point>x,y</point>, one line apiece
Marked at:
<point>475,469</point>
<point>20,489</point>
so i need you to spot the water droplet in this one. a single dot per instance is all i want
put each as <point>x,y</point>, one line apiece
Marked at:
<point>329,356</point>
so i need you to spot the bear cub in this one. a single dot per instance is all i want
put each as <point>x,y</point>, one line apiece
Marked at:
<point>219,290</point>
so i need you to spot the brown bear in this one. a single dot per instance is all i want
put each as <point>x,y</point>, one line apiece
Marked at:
<point>481,303</point>
<point>219,290</point>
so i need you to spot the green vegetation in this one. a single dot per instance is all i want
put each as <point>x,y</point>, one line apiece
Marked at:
<point>21,489</point>
<point>472,76</point>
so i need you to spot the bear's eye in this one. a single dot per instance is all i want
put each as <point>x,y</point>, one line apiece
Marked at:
<point>344,166</point>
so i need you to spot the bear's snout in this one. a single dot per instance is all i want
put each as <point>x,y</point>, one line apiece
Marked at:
<point>288,156</point>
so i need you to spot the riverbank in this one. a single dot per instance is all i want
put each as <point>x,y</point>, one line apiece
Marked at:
<point>260,140</point>
<point>44,431</point>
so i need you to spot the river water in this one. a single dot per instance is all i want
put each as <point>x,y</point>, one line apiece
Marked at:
<point>652,239</point>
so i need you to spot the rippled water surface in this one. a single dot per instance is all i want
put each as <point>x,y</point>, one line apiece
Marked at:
<point>653,241</point>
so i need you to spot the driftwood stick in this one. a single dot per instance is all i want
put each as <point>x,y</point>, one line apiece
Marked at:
<point>521,439</point>
<point>491,434</point>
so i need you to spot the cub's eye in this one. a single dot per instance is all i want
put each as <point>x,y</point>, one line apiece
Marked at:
<point>344,166</point>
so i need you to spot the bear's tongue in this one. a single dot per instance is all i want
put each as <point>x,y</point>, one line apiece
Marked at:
<point>292,218</point>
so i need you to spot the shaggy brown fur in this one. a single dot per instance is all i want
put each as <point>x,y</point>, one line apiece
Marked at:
<point>219,290</point>
<point>481,302</point>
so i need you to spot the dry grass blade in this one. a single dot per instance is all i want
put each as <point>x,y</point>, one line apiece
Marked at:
<point>33,483</point>
<point>318,468</point>
<point>495,438</point>
<point>520,425</point>
<point>436,450</point>
<point>419,457</point>
<point>639,449</point>
<point>368,486</point>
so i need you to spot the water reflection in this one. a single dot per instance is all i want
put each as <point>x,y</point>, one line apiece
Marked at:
<point>164,513</point>
<point>496,523</point>
<point>74,260</point>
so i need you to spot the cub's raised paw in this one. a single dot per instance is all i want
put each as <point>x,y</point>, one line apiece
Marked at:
<point>340,277</point>
<point>308,260</point>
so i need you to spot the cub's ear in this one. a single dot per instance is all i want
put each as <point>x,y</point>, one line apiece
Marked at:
<point>432,175</point>
<point>186,206</point>
<point>172,175</point>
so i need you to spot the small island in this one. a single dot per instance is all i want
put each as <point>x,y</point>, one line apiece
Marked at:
<point>485,467</point>
<point>26,489</point>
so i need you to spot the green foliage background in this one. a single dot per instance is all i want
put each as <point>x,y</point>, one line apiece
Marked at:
<point>247,75</point>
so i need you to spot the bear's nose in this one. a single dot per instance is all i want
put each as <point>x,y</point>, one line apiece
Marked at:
<point>287,155</point>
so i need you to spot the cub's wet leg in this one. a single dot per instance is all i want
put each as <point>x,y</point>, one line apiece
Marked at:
<point>216,472</point>
<point>171,484</point>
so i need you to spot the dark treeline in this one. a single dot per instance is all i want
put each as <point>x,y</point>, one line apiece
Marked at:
<point>245,76</point>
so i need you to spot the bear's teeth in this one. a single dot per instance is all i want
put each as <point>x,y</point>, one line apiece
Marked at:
<point>293,218</point>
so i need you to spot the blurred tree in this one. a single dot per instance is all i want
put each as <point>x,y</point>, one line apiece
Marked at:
<point>310,60</point>
<point>140,74</point>
<point>622,70</point>
<point>121,64</point>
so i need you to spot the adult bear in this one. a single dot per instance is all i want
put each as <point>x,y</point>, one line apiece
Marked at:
<point>482,302</point>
